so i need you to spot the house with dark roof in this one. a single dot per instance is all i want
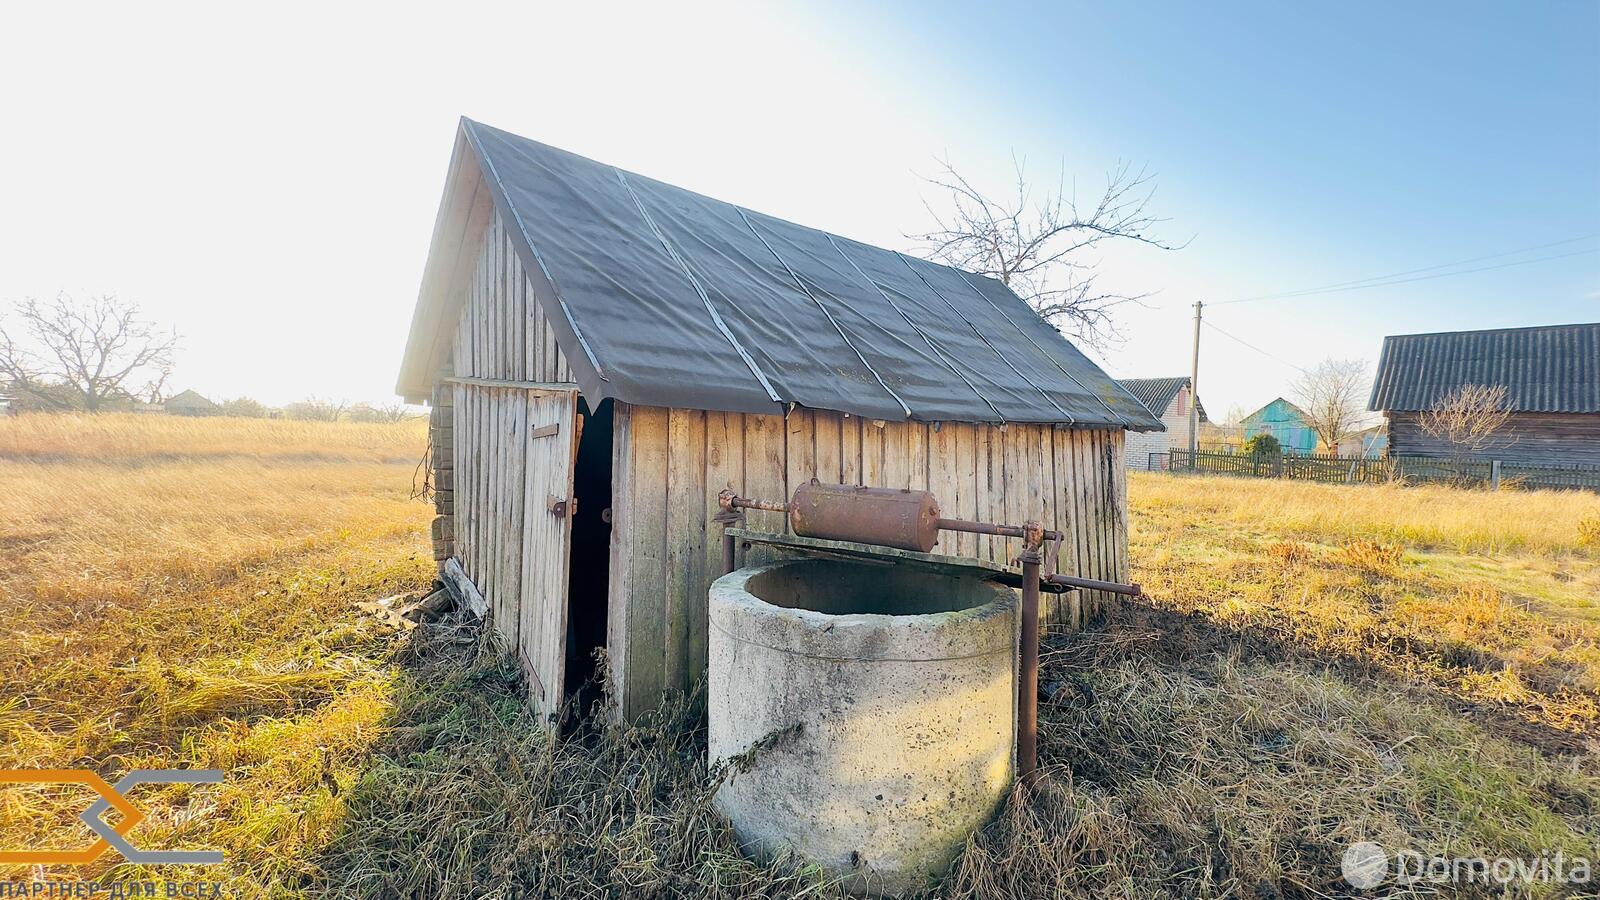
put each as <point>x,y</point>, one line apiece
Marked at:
<point>605,353</point>
<point>1551,377</point>
<point>190,403</point>
<point>1168,399</point>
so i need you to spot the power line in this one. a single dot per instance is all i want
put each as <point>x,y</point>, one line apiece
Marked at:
<point>1459,262</point>
<point>1395,277</point>
<point>1239,340</point>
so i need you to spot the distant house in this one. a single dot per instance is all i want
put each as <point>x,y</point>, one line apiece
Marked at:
<point>1551,375</point>
<point>1371,441</point>
<point>190,403</point>
<point>1284,421</point>
<point>1169,399</point>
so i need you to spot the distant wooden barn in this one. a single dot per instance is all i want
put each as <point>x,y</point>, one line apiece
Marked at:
<point>606,352</point>
<point>1551,375</point>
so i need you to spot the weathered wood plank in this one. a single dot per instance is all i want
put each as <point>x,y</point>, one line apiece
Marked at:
<point>724,459</point>
<point>965,478</point>
<point>917,454</point>
<point>1109,461</point>
<point>1071,521</point>
<point>850,471</point>
<point>896,455</point>
<point>1120,505</point>
<point>505,621</point>
<point>523,595</point>
<point>1016,483</point>
<point>944,480</point>
<point>1096,515</point>
<point>687,577</point>
<point>620,645</point>
<point>461,588</point>
<point>516,317</point>
<point>556,386</point>
<point>872,442</point>
<point>461,460</point>
<point>552,353</point>
<point>800,448</point>
<point>983,462</point>
<point>825,428</point>
<point>647,601</point>
<point>766,469</point>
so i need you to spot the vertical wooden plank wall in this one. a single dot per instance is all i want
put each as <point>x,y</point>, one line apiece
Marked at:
<point>670,464</point>
<point>503,334</point>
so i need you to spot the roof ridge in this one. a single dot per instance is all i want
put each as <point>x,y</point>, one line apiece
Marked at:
<point>1493,330</point>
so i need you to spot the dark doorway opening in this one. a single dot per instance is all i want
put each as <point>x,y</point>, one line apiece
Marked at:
<point>589,575</point>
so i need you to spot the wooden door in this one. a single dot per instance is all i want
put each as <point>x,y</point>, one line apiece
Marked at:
<point>551,434</point>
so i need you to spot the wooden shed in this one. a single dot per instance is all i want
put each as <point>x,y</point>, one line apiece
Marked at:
<point>1550,373</point>
<point>605,352</point>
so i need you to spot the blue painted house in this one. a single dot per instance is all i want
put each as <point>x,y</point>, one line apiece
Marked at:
<point>1284,421</point>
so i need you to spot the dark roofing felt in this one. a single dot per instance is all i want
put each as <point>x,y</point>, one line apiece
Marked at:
<point>664,297</point>
<point>1157,393</point>
<point>1554,368</point>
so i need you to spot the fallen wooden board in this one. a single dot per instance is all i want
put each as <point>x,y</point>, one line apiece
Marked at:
<point>461,587</point>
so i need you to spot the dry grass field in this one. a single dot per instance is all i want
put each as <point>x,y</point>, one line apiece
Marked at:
<point>181,592</point>
<point>1318,665</point>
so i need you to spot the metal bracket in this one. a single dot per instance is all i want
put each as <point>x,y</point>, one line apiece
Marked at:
<point>561,508</point>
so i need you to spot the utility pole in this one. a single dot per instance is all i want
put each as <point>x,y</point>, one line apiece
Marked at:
<point>1194,390</point>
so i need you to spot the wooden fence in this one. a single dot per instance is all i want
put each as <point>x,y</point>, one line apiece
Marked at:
<point>1330,468</point>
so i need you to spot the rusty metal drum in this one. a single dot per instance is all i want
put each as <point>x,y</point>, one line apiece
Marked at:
<point>908,520</point>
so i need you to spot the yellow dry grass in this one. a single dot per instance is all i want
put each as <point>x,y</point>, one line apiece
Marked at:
<point>185,593</point>
<point>132,438</point>
<point>181,593</point>
<point>1493,597</point>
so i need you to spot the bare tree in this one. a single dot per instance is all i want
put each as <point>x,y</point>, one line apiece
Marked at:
<point>1037,246</point>
<point>86,353</point>
<point>1469,418</point>
<point>1333,397</point>
<point>379,412</point>
<point>316,409</point>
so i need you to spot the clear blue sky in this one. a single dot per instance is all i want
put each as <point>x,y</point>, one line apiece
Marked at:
<point>267,182</point>
<point>1300,146</point>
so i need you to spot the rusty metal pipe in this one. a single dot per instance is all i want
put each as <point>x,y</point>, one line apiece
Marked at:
<point>1028,672</point>
<point>1095,584</point>
<point>991,528</point>
<point>728,518</point>
<point>768,505</point>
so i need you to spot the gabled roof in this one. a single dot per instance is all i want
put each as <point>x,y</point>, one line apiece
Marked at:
<point>1297,411</point>
<point>1551,368</point>
<point>1157,393</point>
<point>664,297</point>
<point>188,398</point>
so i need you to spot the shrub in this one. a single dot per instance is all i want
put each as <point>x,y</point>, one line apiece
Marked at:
<point>245,408</point>
<point>1262,445</point>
